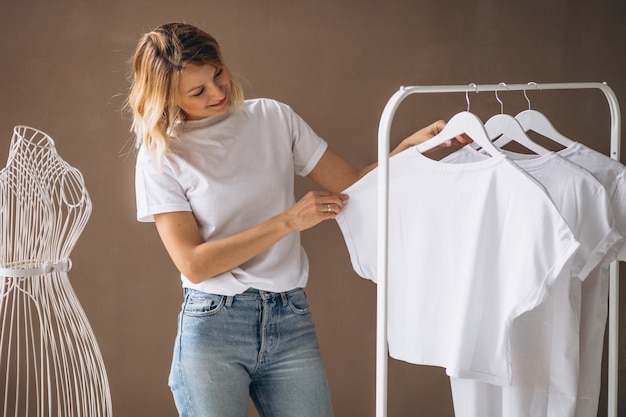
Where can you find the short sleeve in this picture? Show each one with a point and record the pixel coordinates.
(157, 191)
(358, 224)
(600, 240)
(308, 147)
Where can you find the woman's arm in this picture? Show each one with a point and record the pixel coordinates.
(336, 174)
(199, 260)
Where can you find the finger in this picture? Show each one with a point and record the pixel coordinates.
(463, 139)
(337, 203)
(331, 209)
(438, 126)
(328, 208)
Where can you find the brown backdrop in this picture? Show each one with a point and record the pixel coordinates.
(64, 71)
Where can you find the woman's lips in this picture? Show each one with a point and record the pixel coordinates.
(222, 101)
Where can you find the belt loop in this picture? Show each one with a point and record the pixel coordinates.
(285, 299)
(229, 300)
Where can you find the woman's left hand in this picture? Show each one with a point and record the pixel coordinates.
(431, 131)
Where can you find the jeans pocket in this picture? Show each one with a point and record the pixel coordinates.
(297, 302)
(200, 304)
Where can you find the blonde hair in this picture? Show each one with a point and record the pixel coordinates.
(160, 56)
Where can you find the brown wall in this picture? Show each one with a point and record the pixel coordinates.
(63, 70)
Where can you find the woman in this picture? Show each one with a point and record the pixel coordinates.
(215, 173)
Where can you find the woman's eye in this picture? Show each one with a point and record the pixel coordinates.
(199, 93)
(218, 72)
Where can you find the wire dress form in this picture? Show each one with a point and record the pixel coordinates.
(50, 362)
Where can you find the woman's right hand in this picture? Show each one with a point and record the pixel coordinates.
(314, 208)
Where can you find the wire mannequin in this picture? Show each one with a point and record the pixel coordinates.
(50, 363)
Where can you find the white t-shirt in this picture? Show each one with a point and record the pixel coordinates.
(549, 333)
(595, 289)
(234, 172)
(594, 310)
(471, 247)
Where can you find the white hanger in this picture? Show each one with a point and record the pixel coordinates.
(539, 123)
(460, 123)
(463, 122)
(509, 129)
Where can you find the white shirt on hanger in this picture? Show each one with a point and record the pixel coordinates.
(545, 340)
(595, 289)
(594, 311)
(471, 247)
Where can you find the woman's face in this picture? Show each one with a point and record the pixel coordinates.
(203, 91)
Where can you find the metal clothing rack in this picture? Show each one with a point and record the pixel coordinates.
(383, 204)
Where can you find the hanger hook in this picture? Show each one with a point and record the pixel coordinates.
(526, 96)
(498, 98)
(467, 100)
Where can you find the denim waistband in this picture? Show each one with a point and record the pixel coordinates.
(253, 294)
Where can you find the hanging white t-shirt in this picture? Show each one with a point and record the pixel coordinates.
(545, 340)
(471, 247)
(594, 310)
(234, 172)
(595, 289)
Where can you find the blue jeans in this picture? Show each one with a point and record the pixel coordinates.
(256, 344)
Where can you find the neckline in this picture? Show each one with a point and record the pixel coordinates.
(486, 163)
(574, 147)
(206, 122)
